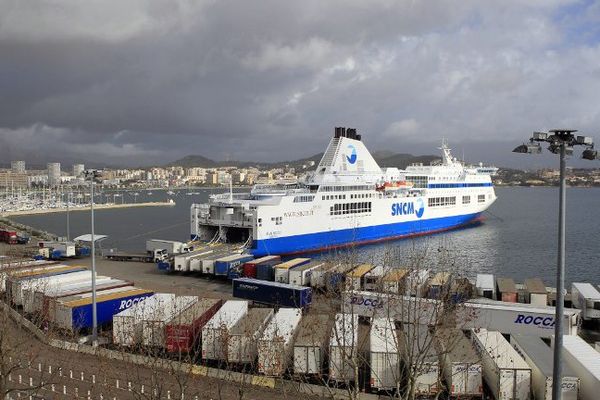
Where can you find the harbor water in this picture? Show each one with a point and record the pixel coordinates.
(518, 237)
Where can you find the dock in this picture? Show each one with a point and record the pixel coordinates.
(86, 208)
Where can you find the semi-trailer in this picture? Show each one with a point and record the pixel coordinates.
(154, 324)
(225, 264)
(215, 332)
(29, 287)
(416, 282)
(538, 355)
(275, 347)
(507, 290)
(16, 285)
(584, 361)
(486, 286)
(182, 262)
(301, 275)
(334, 277)
(506, 373)
(184, 331)
(272, 293)
(77, 315)
(536, 292)
(384, 355)
(419, 355)
(343, 348)
(127, 323)
(310, 346)
(373, 279)
(207, 264)
(461, 365)
(394, 281)
(23, 273)
(282, 271)
(172, 247)
(355, 278)
(243, 337)
(250, 268)
(439, 285)
(586, 298)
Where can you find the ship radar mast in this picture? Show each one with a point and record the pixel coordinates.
(447, 158)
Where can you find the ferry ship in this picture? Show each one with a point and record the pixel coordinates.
(348, 200)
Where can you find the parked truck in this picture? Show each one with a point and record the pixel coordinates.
(250, 268)
(538, 355)
(343, 348)
(586, 298)
(507, 375)
(215, 332)
(310, 346)
(461, 365)
(486, 286)
(243, 337)
(272, 293)
(172, 247)
(384, 355)
(275, 347)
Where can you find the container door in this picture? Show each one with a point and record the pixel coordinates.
(473, 383)
(300, 360)
(506, 388)
(570, 388)
(313, 360)
(522, 384)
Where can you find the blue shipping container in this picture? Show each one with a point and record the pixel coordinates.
(265, 272)
(272, 293)
(223, 265)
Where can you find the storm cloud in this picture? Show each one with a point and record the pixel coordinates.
(146, 82)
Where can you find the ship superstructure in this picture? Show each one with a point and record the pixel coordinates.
(349, 199)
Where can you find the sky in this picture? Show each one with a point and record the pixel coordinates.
(145, 82)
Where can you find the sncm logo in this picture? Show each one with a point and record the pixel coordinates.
(542, 322)
(361, 301)
(130, 302)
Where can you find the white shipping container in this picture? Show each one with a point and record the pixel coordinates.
(416, 282)
(154, 324)
(385, 356)
(275, 347)
(418, 346)
(317, 279)
(182, 262)
(127, 325)
(310, 346)
(301, 275)
(243, 337)
(17, 272)
(343, 348)
(29, 286)
(539, 357)
(215, 332)
(507, 375)
(461, 366)
(33, 297)
(585, 362)
(486, 286)
(586, 298)
(373, 278)
(208, 263)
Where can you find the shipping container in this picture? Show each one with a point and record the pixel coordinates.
(19, 285)
(538, 355)
(394, 281)
(507, 291)
(282, 271)
(275, 347)
(384, 354)
(507, 375)
(439, 285)
(33, 295)
(373, 279)
(310, 346)
(250, 268)
(417, 347)
(486, 286)
(355, 279)
(301, 275)
(343, 348)
(244, 335)
(127, 324)
(318, 276)
(586, 298)
(76, 315)
(461, 290)
(272, 293)
(208, 262)
(224, 264)
(335, 277)
(28, 273)
(461, 365)
(416, 282)
(216, 330)
(28, 288)
(182, 262)
(184, 331)
(515, 318)
(536, 292)
(154, 325)
(584, 361)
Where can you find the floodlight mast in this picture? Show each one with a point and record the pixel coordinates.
(561, 142)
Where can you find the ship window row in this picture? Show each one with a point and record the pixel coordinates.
(481, 198)
(303, 199)
(351, 188)
(466, 199)
(442, 201)
(418, 181)
(334, 197)
(361, 195)
(457, 185)
(277, 220)
(350, 208)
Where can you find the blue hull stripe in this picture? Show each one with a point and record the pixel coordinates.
(361, 235)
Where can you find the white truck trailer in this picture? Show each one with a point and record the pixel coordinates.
(182, 262)
(461, 365)
(418, 352)
(373, 278)
(485, 285)
(506, 373)
(154, 324)
(275, 347)
(171, 246)
(301, 275)
(216, 331)
(243, 336)
(585, 362)
(538, 355)
(586, 298)
(385, 355)
(207, 263)
(27, 288)
(343, 348)
(127, 325)
(415, 283)
(310, 346)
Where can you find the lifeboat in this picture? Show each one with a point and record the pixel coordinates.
(395, 185)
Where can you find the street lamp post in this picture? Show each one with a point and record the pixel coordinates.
(92, 175)
(561, 142)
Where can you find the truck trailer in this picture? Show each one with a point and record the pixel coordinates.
(586, 298)
(272, 293)
(384, 355)
(275, 347)
(184, 331)
(215, 332)
(310, 346)
(243, 337)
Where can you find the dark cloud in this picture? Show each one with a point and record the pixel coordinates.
(145, 82)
